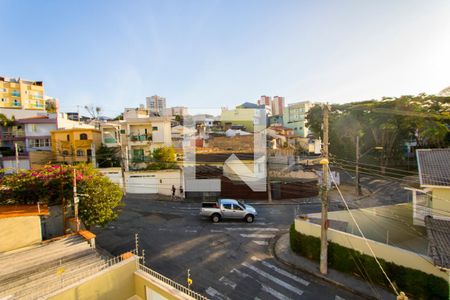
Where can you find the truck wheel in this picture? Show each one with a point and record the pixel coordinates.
(215, 218)
(249, 218)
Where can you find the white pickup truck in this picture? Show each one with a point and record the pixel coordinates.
(228, 209)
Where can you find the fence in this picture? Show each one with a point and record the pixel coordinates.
(172, 283)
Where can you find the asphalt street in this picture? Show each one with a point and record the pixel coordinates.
(227, 260)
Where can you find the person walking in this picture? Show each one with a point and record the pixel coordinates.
(181, 192)
(173, 191)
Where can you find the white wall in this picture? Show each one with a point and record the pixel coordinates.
(41, 129)
(10, 165)
(388, 253)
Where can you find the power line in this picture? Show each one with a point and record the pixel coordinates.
(363, 236)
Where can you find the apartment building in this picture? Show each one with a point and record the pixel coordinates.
(156, 105)
(176, 111)
(277, 106)
(137, 135)
(294, 116)
(18, 93)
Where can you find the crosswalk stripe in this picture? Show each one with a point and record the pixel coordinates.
(251, 229)
(258, 236)
(214, 293)
(261, 243)
(281, 271)
(274, 279)
(228, 282)
(265, 288)
(239, 273)
(214, 230)
(274, 293)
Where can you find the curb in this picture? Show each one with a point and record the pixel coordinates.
(272, 251)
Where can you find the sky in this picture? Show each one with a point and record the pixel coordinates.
(210, 54)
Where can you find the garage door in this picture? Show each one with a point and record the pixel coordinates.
(142, 184)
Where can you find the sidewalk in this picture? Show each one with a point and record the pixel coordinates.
(281, 250)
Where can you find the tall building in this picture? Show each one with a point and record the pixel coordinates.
(156, 104)
(277, 106)
(17, 93)
(176, 111)
(265, 100)
(294, 117)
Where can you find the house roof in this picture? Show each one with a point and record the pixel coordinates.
(11, 211)
(434, 167)
(438, 232)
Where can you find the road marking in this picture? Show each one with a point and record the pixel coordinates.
(228, 282)
(261, 243)
(214, 230)
(258, 236)
(274, 293)
(281, 271)
(274, 279)
(191, 230)
(264, 287)
(338, 298)
(214, 293)
(239, 273)
(251, 229)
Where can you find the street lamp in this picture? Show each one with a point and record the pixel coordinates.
(358, 157)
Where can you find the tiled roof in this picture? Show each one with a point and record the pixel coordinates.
(434, 167)
(438, 232)
(11, 211)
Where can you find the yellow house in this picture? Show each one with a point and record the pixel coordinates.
(76, 144)
(17, 93)
(434, 175)
(242, 117)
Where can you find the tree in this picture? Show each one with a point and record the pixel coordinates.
(108, 157)
(163, 158)
(5, 121)
(53, 185)
(164, 154)
(388, 123)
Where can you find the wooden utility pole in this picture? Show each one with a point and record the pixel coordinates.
(324, 196)
(357, 187)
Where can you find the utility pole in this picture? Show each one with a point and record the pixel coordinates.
(75, 199)
(357, 186)
(324, 196)
(17, 157)
(269, 188)
(94, 161)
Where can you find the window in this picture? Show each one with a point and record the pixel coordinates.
(36, 143)
(80, 152)
(65, 153)
(227, 206)
(89, 152)
(3, 99)
(237, 207)
(155, 128)
(83, 136)
(16, 102)
(33, 127)
(68, 137)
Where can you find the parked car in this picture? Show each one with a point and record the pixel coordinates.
(228, 209)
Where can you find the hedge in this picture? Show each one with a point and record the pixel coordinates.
(413, 282)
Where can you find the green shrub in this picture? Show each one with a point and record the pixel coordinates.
(413, 282)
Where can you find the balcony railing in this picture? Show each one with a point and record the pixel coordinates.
(140, 138)
(140, 159)
(9, 135)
